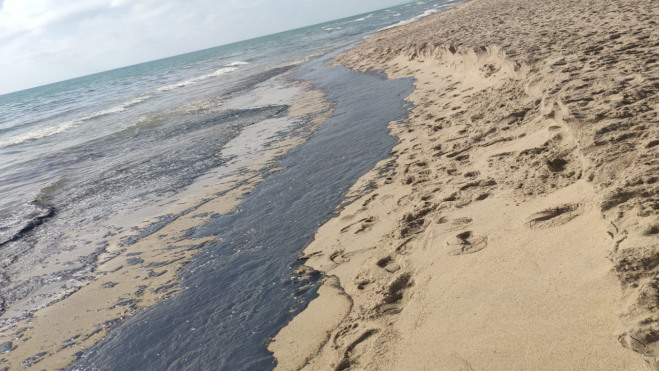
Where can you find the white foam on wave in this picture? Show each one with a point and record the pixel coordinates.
(363, 19)
(425, 14)
(298, 62)
(195, 80)
(56, 129)
(61, 127)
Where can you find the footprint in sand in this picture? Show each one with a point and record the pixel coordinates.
(369, 200)
(352, 352)
(339, 258)
(554, 216)
(396, 295)
(361, 226)
(340, 338)
(388, 264)
(450, 225)
(414, 222)
(466, 243)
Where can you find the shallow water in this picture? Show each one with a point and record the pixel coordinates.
(82, 157)
(240, 291)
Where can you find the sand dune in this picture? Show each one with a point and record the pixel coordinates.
(515, 225)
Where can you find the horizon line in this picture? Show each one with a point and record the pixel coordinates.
(199, 50)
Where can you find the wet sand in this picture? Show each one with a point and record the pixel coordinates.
(515, 225)
(132, 277)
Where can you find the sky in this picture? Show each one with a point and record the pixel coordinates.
(45, 41)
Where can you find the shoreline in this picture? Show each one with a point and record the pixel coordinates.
(244, 280)
(514, 225)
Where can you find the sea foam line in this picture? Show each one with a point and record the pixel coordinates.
(64, 126)
(363, 19)
(195, 80)
(427, 13)
(56, 129)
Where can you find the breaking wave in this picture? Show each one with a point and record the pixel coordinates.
(58, 128)
(221, 71)
(425, 14)
(64, 126)
(363, 19)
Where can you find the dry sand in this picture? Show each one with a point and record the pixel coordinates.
(515, 225)
(130, 278)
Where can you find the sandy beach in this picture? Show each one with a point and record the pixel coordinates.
(515, 224)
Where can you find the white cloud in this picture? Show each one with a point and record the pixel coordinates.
(43, 41)
(33, 16)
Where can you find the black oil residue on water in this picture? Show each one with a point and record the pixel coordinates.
(239, 291)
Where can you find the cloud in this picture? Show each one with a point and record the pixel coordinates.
(34, 16)
(44, 41)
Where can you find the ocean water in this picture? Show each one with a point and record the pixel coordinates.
(80, 157)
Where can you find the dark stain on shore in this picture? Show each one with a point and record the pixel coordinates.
(42, 213)
(239, 291)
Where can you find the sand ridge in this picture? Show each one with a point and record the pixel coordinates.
(514, 226)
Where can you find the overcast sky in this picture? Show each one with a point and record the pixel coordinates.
(44, 41)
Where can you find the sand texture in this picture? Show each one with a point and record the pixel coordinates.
(130, 278)
(515, 225)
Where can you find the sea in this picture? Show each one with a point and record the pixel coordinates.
(82, 158)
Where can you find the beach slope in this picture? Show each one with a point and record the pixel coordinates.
(515, 225)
